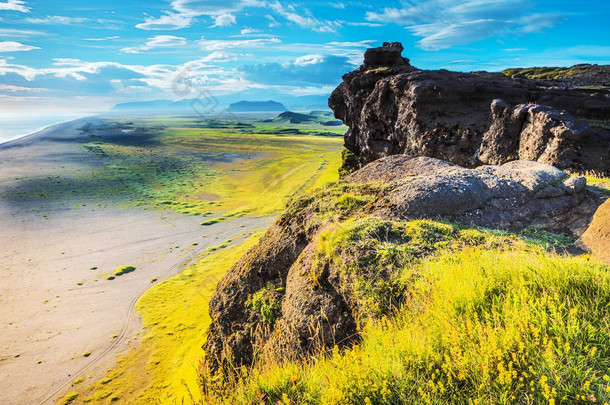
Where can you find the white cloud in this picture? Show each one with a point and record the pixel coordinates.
(102, 39)
(359, 44)
(15, 33)
(249, 31)
(186, 10)
(167, 21)
(11, 46)
(538, 22)
(224, 20)
(219, 56)
(443, 23)
(65, 20)
(437, 37)
(158, 41)
(309, 60)
(15, 89)
(14, 5)
(272, 21)
(220, 44)
(212, 7)
(306, 21)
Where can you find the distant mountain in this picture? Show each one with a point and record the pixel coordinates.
(211, 104)
(256, 106)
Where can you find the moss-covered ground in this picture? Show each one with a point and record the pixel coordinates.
(549, 72)
(485, 318)
(193, 166)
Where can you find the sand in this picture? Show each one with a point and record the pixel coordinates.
(54, 307)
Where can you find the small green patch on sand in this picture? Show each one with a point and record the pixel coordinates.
(124, 270)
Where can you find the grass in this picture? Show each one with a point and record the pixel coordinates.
(548, 72)
(189, 166)
(596, 180)
(69, 398)
(124, 270)
(481, 325)
(163, 367)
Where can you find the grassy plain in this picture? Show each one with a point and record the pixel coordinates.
(212, 167)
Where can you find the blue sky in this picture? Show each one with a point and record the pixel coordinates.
(85, 56)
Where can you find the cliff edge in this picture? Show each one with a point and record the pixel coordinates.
(471, 119)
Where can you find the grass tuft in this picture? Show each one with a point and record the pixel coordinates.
(124, 270)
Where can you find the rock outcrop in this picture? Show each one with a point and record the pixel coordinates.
(296, 292)
(596, 238)
(516, 195)
(469, 119)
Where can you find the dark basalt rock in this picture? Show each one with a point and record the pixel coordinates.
(469, 119)
(390, 55)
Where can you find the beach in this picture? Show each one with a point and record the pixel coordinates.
(62, 317)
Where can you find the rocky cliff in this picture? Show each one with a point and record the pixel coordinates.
(472, 119)
(333, 260)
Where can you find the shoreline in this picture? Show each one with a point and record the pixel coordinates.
(40, 133)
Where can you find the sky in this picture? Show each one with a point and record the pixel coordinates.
(87, 56)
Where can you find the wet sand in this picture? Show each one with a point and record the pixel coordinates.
(54, 307)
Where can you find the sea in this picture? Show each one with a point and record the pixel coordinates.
(13, 127)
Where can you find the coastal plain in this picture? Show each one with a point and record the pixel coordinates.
(80, 199)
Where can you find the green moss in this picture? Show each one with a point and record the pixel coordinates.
(266, 303)
(349, 202)
(548, 72)
(488, 318)
(212, 221)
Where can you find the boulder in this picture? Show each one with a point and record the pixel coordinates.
(512, 196)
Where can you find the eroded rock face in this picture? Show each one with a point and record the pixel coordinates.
(596, 238)
(469, 119)
(314, 303)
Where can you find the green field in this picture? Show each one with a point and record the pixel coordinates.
(195, 166)
(208, 167)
